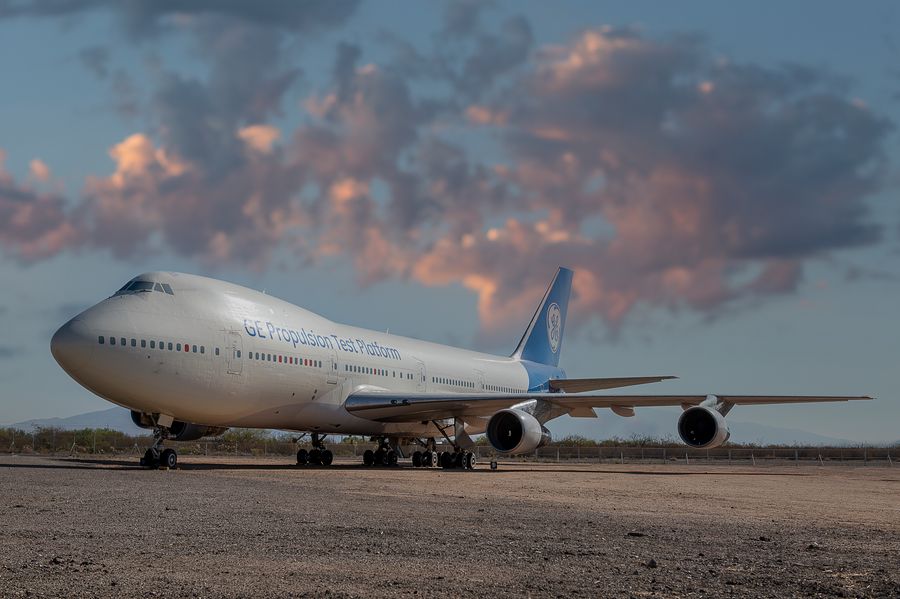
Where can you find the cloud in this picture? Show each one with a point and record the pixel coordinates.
(33, 225)
(39, 170)
(668, 178)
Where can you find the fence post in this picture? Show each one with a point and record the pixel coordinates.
(729, 457)
(557, 454)
(865, 456)
(687, 460)
(890, 461)
(752, 457)
(621, 456)
(664, 455)
(796, 459)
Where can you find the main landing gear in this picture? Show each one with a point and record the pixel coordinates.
(448, 460)
(317, 456)
(156, 456)
(385, 455)
(430, 457)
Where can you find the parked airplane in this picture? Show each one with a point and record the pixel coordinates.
(191, 356)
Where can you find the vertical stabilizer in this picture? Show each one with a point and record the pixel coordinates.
(542, 341)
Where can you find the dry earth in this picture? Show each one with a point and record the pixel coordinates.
(252, 527)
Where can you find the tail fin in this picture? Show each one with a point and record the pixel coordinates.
(542, 341)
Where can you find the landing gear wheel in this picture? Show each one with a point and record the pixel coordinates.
(380, 458)
(470, 461)
(302, 457)
(168, 459)
(368, 457)
(426, 459)
(447, 460)
(417, 459)
(327, 457)
(150, 459)
(459, 460)
(432, 460)
(315, 457)
(391, 458)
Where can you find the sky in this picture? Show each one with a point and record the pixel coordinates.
(722, 177)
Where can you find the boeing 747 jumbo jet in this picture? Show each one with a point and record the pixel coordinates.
(192, 356)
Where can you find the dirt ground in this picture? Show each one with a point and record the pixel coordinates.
(241, 527)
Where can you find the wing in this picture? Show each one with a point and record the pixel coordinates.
(389, 406)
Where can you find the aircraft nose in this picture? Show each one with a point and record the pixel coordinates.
(69, 345)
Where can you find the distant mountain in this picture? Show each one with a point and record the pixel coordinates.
(658, 423)
(117, 419)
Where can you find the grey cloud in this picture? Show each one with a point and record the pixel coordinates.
(147, 18)
(96, 59)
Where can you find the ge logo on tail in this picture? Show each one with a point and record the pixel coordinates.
(554, 320)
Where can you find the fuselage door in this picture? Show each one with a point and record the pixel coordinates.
(420, 375)
(331, 368)
(233, 352)
(479, 381)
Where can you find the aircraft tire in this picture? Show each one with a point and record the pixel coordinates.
(379, 458)
(391, 458)
(302, 457)
(168, 459)
(315, 456)
(150, 459)
(470, 461)
(368, 457)
(327, 457)
(417, 459)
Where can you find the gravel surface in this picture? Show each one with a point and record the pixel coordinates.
(239, 527)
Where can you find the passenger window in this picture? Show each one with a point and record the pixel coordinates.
(170, 346)
(194, 348)
(100, 340)
(217, 351)
(143, 343)
(152, 344)
(122, 341)
(178, 347)
(202, 349)
(112, 340)
(238, 353)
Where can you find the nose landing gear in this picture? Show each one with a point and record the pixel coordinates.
(156, 456)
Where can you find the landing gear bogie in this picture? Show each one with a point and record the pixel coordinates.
(317, 456)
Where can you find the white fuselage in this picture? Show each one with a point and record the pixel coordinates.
(247, 359)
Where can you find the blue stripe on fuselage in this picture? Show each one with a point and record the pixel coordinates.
(540, 374)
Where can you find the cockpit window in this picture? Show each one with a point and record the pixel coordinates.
(134, 286)
(141, 286)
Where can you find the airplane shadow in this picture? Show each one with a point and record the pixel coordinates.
(482, 469)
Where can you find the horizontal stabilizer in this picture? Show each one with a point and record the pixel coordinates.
(582, 385)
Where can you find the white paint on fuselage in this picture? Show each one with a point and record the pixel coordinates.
(233, 387)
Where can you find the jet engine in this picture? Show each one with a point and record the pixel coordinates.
(703, 427)
(179, 431)
(513, 431)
